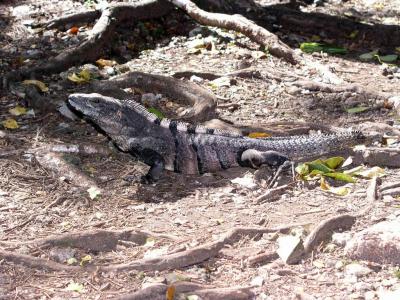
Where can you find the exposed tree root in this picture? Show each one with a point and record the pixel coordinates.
(35, 262)
(99, 36)
(170, 261)
(325, 228)
(158, 292)
(92, 240)
(56, 164)
(240, 24)
(203, 102)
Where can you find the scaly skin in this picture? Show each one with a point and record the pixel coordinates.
(189, 149)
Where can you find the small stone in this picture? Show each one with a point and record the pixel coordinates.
(290, 249)
(195, 78)
(357, 270)
(339, 265)
(370, 295)
(389, 295)
(389, 282)
(62, 254)
(362, 286)
(257, 281)
(341, 238)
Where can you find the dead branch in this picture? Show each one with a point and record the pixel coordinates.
(244, 73)
(331, 88)
(203, 102)
(240, 24)
(262, 258)
(100, 35)
(390, 186)
(73, 19)
(325, 228)
(158, 291)
(273, 194)
(56, 164)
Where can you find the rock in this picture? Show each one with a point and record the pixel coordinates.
(290, 249)
(196, 79)
(370, 295)
(389, 295)
(357, 270)
(257, 281)
(341, 238)
(380, 243)
(62, 254)
(362, 286)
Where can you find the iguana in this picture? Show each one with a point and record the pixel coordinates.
(190, 149)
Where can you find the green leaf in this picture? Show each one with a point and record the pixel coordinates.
(319, 165)
(368, 56)
(357, 109)
(341, 176)
(318, 47)
(334, 162)
(389, 58)
(302, 169)
(155, 111)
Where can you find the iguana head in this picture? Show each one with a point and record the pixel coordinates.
(104, 112)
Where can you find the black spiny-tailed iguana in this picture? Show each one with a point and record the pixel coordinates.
(181, 147)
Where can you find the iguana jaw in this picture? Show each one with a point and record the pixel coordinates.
(104, 112)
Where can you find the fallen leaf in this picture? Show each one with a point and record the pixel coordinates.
(372, 172)
(341, 191)
(42, 86)
(105, 63)
(94, 192)
(388, 58)
(357, 109)
(17, 111)
(10, 124)
(75, 287)
(72, 261)
(368, 56)
(155, 111)
(341, 176)
(82, 77)
(170, 295)
(257, 135)
(334, 162)
(73, 30)
(85, 260)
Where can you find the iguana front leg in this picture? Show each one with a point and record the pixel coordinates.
(255, 159)
(155, 172)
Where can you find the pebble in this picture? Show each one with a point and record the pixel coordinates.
(357, 270)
